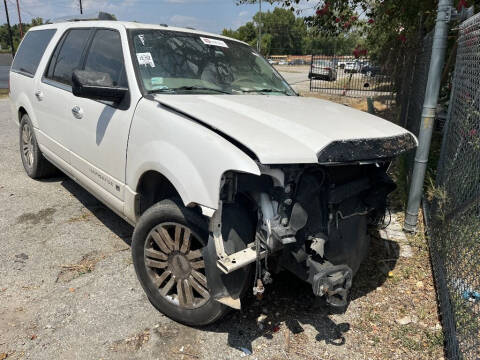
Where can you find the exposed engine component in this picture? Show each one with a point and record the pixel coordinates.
(311, 220)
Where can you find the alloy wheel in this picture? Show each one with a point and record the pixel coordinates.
(27, 145)
(174, 262)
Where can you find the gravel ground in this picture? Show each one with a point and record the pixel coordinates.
(68, 290)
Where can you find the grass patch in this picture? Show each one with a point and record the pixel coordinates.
(3, 93)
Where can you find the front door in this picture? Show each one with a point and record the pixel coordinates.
(98, 133)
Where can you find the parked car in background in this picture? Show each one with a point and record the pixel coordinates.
(194, 139)
(371, 70)
(341, 64)
(352, 67)
(323, 70)
(283, 62)
(272, 62)
(297, 62)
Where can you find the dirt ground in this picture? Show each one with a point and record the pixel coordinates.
(68, 290)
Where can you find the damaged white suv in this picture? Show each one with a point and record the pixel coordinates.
(197, 141)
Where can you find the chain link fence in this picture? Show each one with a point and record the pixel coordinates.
(452, 209)
(350, 76)
(418, 86)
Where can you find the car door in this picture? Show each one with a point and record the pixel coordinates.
(99, 130)
(53, 92)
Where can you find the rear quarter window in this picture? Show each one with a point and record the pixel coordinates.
(31, 51)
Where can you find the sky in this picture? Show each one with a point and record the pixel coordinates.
(207, 15)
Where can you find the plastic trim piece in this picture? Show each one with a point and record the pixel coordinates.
(366, 149)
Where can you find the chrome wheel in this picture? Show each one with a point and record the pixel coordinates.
(27, 145)
(174, 262)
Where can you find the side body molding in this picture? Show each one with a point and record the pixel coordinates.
(190, 155)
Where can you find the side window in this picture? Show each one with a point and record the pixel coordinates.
(105, 55)
(31, 51)
(67, 56)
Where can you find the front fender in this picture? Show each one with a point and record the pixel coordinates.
(192, 157)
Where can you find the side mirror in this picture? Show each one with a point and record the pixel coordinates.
(96, 86)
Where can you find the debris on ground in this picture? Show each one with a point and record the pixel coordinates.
(404, 321)
(85, 265)
(132, 343)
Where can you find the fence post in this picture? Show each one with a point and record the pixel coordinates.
(428, 114)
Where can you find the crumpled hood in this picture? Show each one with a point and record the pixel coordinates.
(291, 129)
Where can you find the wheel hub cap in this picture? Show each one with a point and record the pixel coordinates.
(180, 266)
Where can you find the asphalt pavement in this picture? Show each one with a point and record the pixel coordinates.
(4, 76)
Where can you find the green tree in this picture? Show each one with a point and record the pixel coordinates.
(283, 33)
(4, 36)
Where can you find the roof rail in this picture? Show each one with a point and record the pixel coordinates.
(85, 17)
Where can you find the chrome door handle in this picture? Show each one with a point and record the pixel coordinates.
(39, 95)
(77, 112)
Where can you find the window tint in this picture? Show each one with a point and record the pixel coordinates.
(69, 56)
(105, 55)
(31, 51)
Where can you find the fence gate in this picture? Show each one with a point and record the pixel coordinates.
(349, 76)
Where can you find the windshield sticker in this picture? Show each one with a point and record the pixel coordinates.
(214, 42)
(156, 81)
(142, 39)
(145, 59)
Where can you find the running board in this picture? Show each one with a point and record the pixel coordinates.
(239, 259)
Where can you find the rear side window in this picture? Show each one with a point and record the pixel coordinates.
(68, 55)
(105, 55)
(31, 51)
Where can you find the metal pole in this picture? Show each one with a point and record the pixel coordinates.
(9, 28)
(19, 19)
(428, 114)
(81, 8)
(259, 43)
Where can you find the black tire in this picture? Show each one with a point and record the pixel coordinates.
(164, 214)
(34, 163)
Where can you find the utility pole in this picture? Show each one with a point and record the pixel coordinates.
(81, 8)
(428, 114)
(259, 42)
(19, 19)
(9, 28)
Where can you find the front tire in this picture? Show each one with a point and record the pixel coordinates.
(34, 163)
(167, 254)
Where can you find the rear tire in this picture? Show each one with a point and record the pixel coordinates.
(34, 163)
(176, 283)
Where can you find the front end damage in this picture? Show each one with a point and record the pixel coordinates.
(309, 219)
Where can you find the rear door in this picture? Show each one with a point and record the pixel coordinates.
(53, 93)
(98, 133)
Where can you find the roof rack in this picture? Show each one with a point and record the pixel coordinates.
(85, 17)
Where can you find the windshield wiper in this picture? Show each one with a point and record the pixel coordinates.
(267, 90)
(189, 88)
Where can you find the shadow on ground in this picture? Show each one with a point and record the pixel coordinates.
(287, 301)
(112, 221)
(291, 301)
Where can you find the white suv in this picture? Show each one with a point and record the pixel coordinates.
(227, 174)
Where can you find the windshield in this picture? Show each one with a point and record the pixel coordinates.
(179, 63)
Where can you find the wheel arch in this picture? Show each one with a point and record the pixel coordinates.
(152, 187)
(23, 106)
